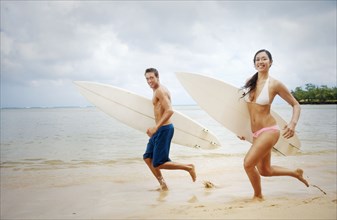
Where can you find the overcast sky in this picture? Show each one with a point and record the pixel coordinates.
(46, 45)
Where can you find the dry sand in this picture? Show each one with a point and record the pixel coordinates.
(128, 191)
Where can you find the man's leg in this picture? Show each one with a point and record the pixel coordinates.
(157, 173)
(179, 166)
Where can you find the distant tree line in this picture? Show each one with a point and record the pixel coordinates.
(313, 94)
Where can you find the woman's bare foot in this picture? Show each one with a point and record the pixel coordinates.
(192, 172)
(258, 199)
(300, 177)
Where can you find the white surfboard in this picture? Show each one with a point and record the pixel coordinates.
(137, 112)
(223, 102)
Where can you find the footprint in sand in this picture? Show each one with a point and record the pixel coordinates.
(208, 184)
(193, 199)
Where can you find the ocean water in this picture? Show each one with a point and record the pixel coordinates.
(87, 135)
(79, 163)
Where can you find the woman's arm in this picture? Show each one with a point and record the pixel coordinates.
(283, 92)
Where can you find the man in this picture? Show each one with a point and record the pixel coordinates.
(157, 152)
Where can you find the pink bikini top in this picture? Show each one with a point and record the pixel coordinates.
(263, 98)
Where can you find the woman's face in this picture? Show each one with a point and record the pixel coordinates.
(262, 62)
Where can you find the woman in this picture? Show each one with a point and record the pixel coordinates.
(260, 91)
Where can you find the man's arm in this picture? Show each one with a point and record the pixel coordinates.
(165, 103)
(166, 106)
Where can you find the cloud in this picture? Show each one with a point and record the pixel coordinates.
(46, 45)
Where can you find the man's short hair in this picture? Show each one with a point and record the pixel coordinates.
(152, 70)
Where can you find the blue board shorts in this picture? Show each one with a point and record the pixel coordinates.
(158, 148)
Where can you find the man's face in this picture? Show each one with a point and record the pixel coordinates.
(152, 80)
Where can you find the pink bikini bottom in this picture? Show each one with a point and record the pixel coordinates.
(271, 128)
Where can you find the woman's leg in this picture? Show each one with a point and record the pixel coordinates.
(261, 148)
(265, 169)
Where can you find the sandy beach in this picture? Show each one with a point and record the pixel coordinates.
(126, 190)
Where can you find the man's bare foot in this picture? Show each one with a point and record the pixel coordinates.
(162, 183)
(300, 177)
(164, 187)
(192, 172)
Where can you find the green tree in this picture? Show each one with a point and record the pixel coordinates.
(315, 94)
(311, 90)
(299, 94)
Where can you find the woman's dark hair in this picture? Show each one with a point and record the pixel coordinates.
(251, 83)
